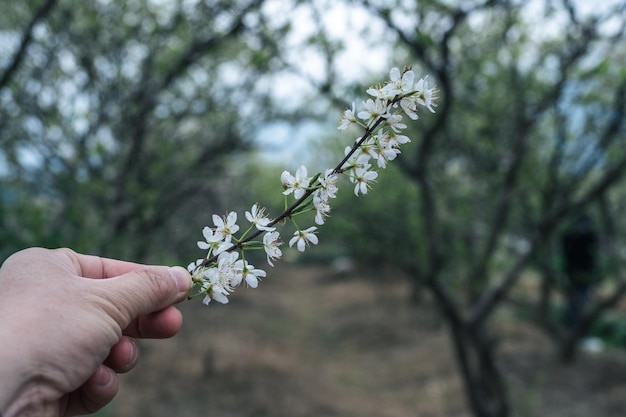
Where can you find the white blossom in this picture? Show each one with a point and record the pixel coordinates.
(409, 105)
(328, 181)
(386, 92)
(424, 94)
(368, 148)
(226, 267)
(348, 118)
(373, 109)
(226, 226)
(302, 238)
(395, 122)
(386, 148)
(257, 216)
(248, 273)
(214, 241)
(295, 184)
(196, 270)
(216, 289)
(271, 246)
(357, 160)
(362, 179)
(222, 247)
(401, 82)
(397, 140)
(322, 208)
(385, 155)
(210, 237)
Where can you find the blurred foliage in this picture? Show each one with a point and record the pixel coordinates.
(378, 229)
(118, 118)
(528, 129)
(611, 329)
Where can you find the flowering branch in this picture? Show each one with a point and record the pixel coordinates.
(217, 274)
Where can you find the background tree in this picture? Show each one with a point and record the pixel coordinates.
(529, 132)
(116, 117)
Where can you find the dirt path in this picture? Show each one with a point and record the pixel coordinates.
(308, 344)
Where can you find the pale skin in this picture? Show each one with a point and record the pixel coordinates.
(68, 324)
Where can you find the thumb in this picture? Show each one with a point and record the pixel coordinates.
(146, 290)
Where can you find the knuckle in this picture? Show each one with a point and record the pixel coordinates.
(160, 285)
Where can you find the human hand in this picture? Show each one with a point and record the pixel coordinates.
(68, 323)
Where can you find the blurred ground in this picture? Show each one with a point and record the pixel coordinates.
(307, 343)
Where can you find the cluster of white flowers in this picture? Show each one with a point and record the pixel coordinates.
(225, 267)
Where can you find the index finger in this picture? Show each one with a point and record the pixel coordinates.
(158, 325)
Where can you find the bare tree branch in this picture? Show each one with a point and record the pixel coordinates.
(27, 36)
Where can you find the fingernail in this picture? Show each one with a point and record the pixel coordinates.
(181, 277)
(134, 354)
(103, 376)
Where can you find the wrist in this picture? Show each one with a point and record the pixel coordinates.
(25, 401)
(20, 394)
